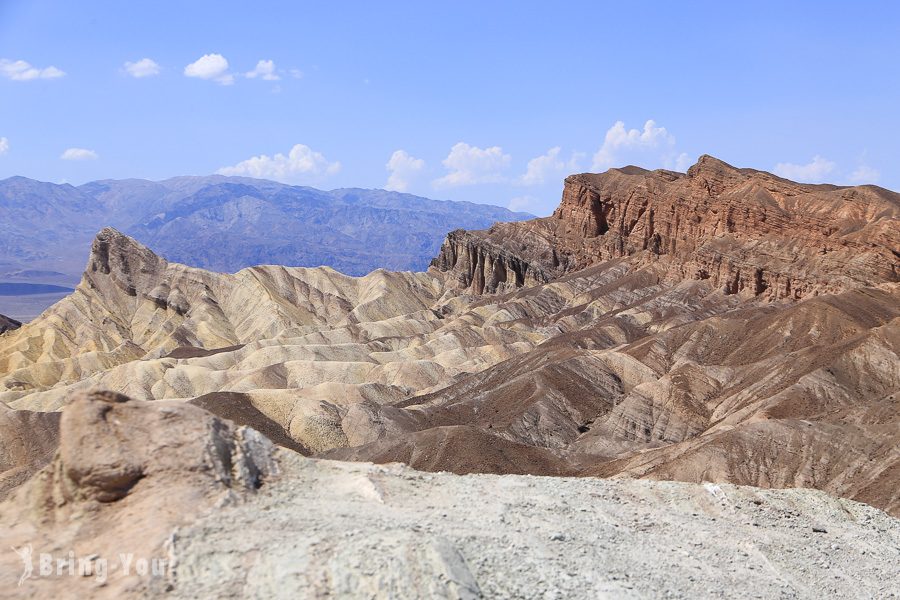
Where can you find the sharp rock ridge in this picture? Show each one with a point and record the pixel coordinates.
(747, 232)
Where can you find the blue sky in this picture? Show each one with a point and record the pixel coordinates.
(485, 101)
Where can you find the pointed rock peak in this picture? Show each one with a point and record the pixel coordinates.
(111, 233)
(113, 249)
(710, 164)
(716, 175)
(113, 237)
(631, 170)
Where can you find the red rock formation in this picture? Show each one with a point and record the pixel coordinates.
(746, 231)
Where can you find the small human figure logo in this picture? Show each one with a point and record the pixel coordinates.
(25, 553)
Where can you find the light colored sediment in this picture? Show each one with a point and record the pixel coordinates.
(332, 529)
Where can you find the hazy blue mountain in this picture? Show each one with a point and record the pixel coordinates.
(40, 221)
(225, 224)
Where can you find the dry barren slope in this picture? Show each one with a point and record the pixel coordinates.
(797, 396)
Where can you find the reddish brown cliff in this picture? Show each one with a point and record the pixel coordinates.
(485, 264)
(747, 231)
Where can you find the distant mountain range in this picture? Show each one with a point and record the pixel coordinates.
(226, 224)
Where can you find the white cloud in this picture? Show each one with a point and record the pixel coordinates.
(300, 165)
(19, 70)
(404, 168)
(4, 146)
(296, 73)
(265, 70)
(145, 67)
(212, 67)
(79, 154)
(813, 172)
(549, 165)
(630, 142)
(864, 174)
(680, 163)
(523, 203)
(469, 165)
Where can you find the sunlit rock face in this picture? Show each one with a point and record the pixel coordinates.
(747, 232)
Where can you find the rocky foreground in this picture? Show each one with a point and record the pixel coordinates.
(221, 512)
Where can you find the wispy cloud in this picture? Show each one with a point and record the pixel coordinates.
(679, 163)
(4, 146)
(523, 203)
(550, 166)
(19, 70)
(146, 67)
(620, 142)
(814, 171)
(212, 67)
(864, 174)
(265, 70)
(79, 154)
(404, 169)
(469, 165)
(300, 165)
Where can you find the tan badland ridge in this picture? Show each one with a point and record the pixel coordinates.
(720, 326)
